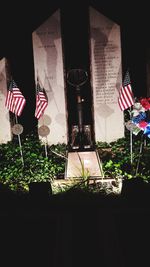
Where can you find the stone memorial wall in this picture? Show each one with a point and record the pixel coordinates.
(5, 131)
(48, 65)
(106, 73)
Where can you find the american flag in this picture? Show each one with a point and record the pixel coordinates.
(15, 101)
(41, 101)
(126, 98)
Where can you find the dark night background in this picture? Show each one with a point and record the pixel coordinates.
(19, 20)
(83, 230)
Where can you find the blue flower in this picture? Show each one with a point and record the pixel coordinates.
(140, 117)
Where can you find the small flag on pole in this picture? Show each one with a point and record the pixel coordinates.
(125, 98)
(41, 100)
(15, 101)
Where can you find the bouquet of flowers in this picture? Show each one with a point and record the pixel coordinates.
(140, 119)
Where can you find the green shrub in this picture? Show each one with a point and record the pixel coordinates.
(117, 161)
(18, 172)
(37, 166)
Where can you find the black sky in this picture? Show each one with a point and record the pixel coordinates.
(19, 20)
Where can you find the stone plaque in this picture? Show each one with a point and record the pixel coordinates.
(106, 77)
(5, 131)
(48, 65)
(83, 163)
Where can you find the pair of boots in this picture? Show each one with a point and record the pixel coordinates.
(81, 139)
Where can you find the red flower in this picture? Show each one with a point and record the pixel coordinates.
(142, 124)
(145, 102)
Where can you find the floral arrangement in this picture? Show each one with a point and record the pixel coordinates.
(140, 117)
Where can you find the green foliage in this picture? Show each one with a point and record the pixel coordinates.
(36, 168)
(116, 157)
(41, 167)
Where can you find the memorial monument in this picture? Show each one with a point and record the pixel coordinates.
(48, 66)
(106, 76)
(105, 82)
(5, 132)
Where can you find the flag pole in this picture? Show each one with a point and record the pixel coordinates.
(131, 141)
(45, 147)
(19, 140)
(42, 97)
(140, 153)
(15, 102)
(131, 147)
(45, 143)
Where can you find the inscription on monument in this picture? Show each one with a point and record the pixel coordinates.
(105, 71)
(106, 76)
